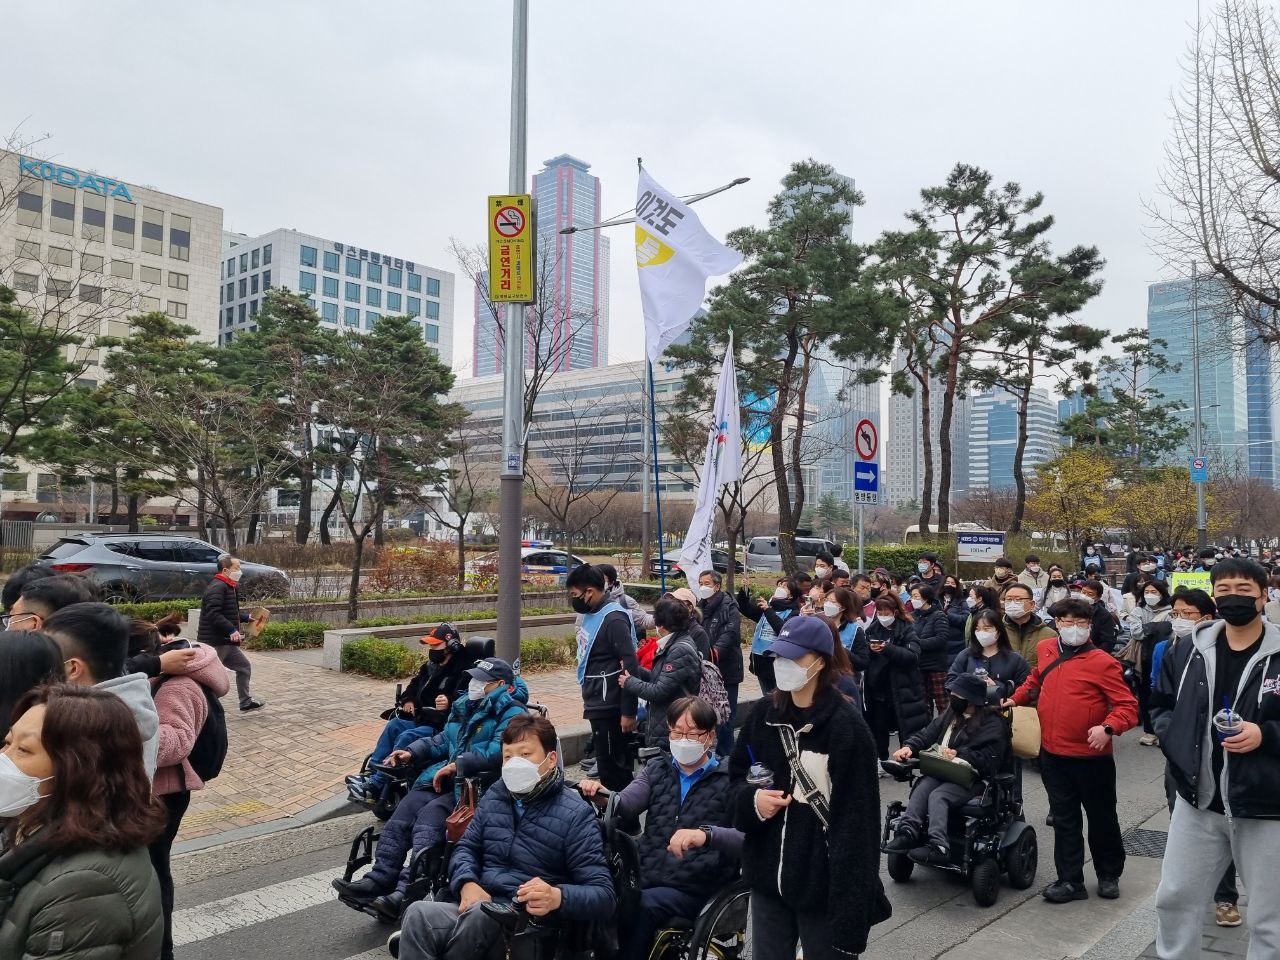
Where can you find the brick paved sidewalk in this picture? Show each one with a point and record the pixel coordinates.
(317, 727)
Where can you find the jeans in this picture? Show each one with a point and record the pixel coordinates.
(725, 734)
(762, 667)
(1200, 846)
(233, 659)
(396, 735)
(1089, 784)
(417, 824)
(658, 907)
(934, 800)
(775, 929)
(176, 804)
(613, 764)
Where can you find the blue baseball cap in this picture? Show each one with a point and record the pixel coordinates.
(801, 635)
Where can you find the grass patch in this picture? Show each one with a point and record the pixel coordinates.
(538, 654)
(289, 635)
(379, 658)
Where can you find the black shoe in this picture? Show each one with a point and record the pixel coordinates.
(1050, 821)
(903, 842)
(1108, 889)
(253, 704)
(590, 769)
(393, 945)
(361, 891)
(931, 856)
(1065, 892)
(388, 907)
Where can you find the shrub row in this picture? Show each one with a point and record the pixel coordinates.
(379, 658)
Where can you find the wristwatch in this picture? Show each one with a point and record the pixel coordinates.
(706, 828)
(1107, 729)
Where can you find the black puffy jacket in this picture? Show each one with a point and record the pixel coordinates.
(676, 673)
(1007, 667)
(219, 613)
(900, 660)
(448, 679)
(933, 629)
(983, 741)
(1181, 707)
(723, 623)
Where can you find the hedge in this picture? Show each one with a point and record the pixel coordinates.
(156, 609)
(547, 653)
(379, 658)
(289, 635)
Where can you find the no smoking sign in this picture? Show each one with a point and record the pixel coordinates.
(509, 222)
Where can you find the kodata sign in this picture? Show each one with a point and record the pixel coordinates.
(71, 177)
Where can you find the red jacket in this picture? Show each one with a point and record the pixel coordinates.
(1087, 690)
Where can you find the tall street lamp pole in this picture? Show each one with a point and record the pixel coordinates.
(1202, 530)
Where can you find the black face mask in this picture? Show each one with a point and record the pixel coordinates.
(436, 656)
(875, 592)
(1056, 583)
(959, 704)
(1238, 611)
(579, 604)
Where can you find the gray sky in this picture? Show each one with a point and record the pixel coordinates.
(386, 123)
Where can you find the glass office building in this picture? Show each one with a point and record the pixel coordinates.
(993, 437)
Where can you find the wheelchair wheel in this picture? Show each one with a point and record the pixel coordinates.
(1021, 860)
(986, 882)
(721, 932)
(899, 866)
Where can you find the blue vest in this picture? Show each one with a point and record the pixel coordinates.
(849, 633)
(764, 634)
(587, 632)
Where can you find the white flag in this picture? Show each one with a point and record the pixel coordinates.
(723, 465)
(674, 255)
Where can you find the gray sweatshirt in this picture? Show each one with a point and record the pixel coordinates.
(135, 690)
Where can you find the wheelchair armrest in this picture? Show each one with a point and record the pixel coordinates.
(405, 771)
(646, 754)
(1004, 779)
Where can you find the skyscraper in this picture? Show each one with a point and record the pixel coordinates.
(903, 463)
(576, 266)
(992, 437)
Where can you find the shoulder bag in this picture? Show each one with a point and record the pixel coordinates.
(1026, 722)
(455, 825)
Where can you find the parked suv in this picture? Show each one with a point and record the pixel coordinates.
(762, 553)
(154, 566)
(719, 563)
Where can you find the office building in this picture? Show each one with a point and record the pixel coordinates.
(992, 437)
(1224, 386)
(1262, 370)
(902, 464)
(83, 249)
(349, 286)
(837, 400)
(574, 276)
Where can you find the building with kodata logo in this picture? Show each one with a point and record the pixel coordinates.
(86, 251)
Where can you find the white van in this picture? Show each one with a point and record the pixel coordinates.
(762, 553)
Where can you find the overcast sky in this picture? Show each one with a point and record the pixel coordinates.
(386, 124)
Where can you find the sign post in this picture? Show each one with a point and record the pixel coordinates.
(866, 474)
(979, 547)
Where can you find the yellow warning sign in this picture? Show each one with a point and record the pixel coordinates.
(511, 248)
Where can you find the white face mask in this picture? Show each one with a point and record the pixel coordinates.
(782, 593)
(1077, 595)
(1147, 567)
(917, 604)
(970, 602)
(789, 675)
(1181, 626)
(520, 775)
(886, 619)
(1153, 599)
(688, 752)
(475, 689)
(987, 638)
(821, 571)
(233, 575)
(1073, 636)
(705, 591)
(1015, 609)
(924, 567)
(832, 610)
(18, 791)
(1033, 568)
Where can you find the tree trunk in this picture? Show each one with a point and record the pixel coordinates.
(202, 504)
(229, 524)
(357, 559)
(306, 488)
(462, 554)
(115, 498)
(944, 437)
(132, 515)
(328, 512)
(1019, 478)
(926, 448)
(254, 519)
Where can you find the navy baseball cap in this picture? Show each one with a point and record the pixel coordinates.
(492, 668)
(801, 635)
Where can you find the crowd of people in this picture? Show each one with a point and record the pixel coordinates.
(109, 725)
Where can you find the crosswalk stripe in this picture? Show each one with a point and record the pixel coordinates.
(377, 953)
(265, 903)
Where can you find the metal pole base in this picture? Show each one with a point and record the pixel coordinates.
(510, 508)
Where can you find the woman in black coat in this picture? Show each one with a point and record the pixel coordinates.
(951, 599)
(893, 688)
(676, 670)
(991, 651)
(811, 852)
(933, 629)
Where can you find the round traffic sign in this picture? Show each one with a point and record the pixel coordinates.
(509, 221)
(1198, 463)
(866, 441)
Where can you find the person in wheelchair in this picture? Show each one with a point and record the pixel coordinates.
(971, 730)
(533, 842)
(423, 708)
(681, 866)
(469, 745)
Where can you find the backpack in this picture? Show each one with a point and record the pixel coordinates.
(210, 749)
(711, 689)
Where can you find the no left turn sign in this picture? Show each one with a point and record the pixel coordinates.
(866, 440)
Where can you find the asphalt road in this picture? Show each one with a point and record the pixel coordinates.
(270, 897)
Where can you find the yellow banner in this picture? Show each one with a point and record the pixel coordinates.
(511, 248)
(1191, 581)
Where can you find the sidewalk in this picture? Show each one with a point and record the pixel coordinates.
(317, 727)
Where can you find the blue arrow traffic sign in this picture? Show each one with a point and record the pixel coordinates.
(866, 477)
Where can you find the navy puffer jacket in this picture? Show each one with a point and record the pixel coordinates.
(555, 837)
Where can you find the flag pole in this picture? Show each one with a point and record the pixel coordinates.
(657, 490)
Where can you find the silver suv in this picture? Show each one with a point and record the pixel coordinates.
(154, 566)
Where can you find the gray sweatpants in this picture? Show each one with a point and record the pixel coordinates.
(1200, 846)
(436, 931)
(233, 659)
(934, 800)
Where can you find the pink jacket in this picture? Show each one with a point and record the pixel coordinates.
(183, 709)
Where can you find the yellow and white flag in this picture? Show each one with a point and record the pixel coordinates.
(674, 255)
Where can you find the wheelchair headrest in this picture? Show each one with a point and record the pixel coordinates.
(477, 648)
